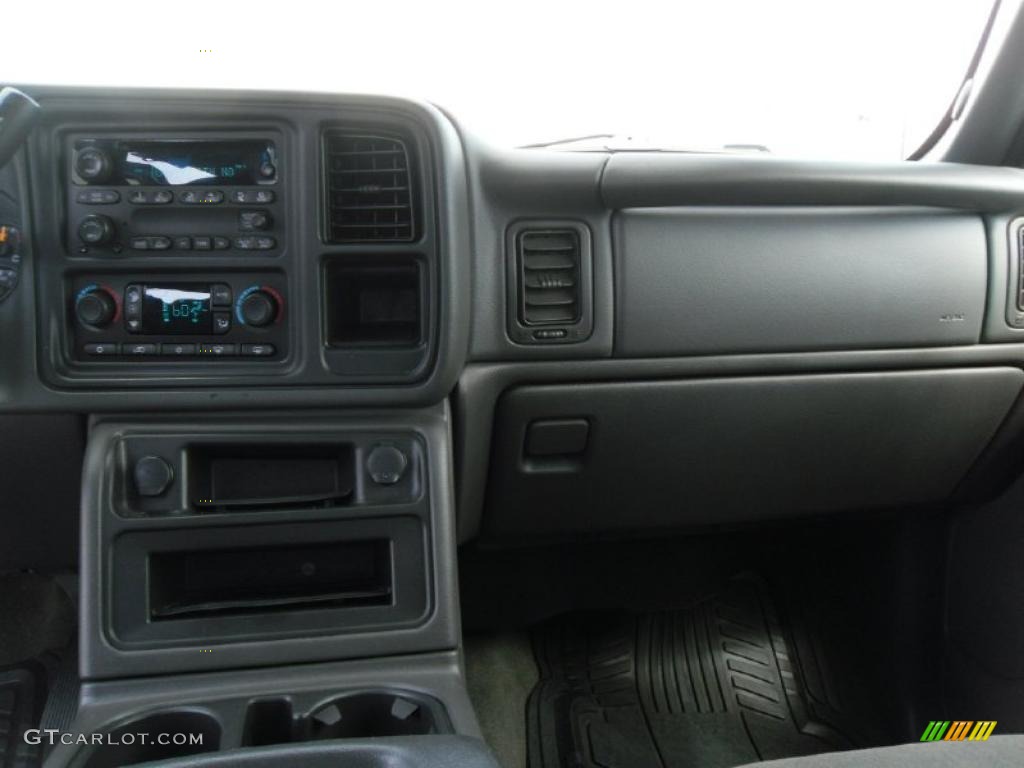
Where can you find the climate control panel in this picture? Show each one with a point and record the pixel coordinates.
(155, 317)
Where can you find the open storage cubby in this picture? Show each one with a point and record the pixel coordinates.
(266, 579)
(245, 582)
(242, 477)
(374, 301)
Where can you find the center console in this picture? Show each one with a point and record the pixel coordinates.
(262, 302)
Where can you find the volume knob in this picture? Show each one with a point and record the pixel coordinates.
(96, 229)
(259, 309)
(93, 165)
(95, 308)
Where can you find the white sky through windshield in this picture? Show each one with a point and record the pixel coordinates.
(832, 78)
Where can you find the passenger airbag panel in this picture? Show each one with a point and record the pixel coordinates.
(719, 281)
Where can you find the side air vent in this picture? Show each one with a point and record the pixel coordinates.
(551, 277)
(369, 189)
(549, 263)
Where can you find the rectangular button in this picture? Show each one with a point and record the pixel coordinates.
(177, 350)
(183, 243)
(220, 293)
(101, 349)
(202, 243)
(221, 322)
(139, 349)
(216, 350)
(258, 350)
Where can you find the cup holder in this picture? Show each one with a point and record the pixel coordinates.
(138, 741)
(361, 715)
(369, 715)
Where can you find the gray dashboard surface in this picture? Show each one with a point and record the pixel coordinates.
(652, 179)
(721, 280)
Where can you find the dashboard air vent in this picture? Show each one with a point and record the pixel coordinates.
(369, 189)
(549, 276)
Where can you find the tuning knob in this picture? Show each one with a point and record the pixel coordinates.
(259, 308)
(93, 165)
(95, 308)
(96, 229)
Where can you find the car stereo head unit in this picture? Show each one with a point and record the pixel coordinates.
(174, 163)
(173, 196)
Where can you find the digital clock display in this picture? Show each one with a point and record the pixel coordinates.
(185, 163)
(176, 308)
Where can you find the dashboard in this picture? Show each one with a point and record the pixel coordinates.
(171, 251)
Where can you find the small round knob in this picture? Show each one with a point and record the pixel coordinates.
(386, 464)
(96, 229)
(153, 475)
(95, 308)
(259, 309)
(93, 165)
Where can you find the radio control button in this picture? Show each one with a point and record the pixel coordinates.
(221, 322)
(265, 243)
(221, 243)
(258, 350)
(140, 349)
(183, 243)
(177, 350)
(201, 197)
(159, 243)
(201, 243)
(98, 197)
(133, 324)
(245, 243)
(138, 197)
(253, 221)
(140, 244)
(217, 350)
(220, 295)
(162, 196)
(244, 196)
(101, 349)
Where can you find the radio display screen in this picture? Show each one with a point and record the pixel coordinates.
(176, 308)
(184, 163)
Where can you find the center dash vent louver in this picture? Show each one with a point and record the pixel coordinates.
(551, 275)
(369, 189)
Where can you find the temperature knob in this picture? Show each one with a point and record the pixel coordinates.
(96, 230)
(95, 307)
(258, 308)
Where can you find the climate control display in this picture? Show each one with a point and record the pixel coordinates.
(177, 308)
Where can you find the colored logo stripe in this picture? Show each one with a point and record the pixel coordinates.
(958, 730)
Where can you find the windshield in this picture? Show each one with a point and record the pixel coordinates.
(837, 79)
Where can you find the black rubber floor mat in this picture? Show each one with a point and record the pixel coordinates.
(21, 699)
(712, 686)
